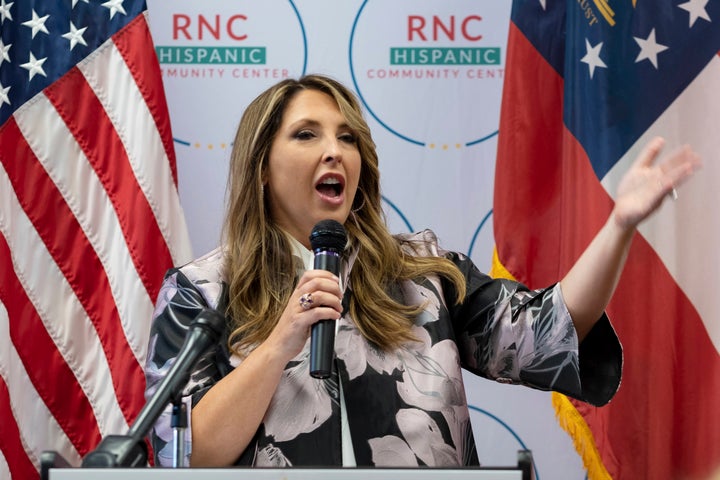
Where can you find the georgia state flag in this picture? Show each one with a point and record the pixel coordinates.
(588, 83)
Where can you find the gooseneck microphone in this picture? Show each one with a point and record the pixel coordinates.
(204, 332)
(130, 450)
(327, 239)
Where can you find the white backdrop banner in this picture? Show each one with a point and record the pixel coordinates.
(430, 77)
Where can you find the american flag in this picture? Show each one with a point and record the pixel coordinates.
(588, 83)
(90, 220)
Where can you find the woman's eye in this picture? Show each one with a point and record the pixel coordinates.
(304, 135)
(348, 137)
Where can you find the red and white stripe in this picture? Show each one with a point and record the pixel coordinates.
(672, 337)
(685, 233)
(90, 220)
(663, 421)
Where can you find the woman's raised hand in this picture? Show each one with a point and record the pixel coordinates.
(644, 187)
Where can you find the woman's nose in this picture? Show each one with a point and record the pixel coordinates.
(333, 152)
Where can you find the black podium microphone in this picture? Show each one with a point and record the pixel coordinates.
(129, 450)
(204, 332)
(328, 241)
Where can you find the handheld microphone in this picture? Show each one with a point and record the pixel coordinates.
(327, 239)
(129, 450)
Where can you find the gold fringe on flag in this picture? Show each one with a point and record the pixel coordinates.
(567, 415)
(497, 269)
(574, 424)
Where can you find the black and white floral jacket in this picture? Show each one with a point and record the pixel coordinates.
(405, 407)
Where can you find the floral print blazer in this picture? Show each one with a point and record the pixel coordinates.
(405, 407)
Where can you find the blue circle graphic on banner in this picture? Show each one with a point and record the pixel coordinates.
(219, 54)
(507, 429)
(431, 78)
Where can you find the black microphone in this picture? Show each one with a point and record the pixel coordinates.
(328, 241)
(130, 450)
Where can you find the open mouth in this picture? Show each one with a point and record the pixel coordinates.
(330, 187)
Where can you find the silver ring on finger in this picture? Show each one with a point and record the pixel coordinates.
(672, 193)
(306, 301)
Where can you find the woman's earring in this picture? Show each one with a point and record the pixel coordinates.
(355, 210)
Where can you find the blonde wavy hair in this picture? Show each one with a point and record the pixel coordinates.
(259, 265)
